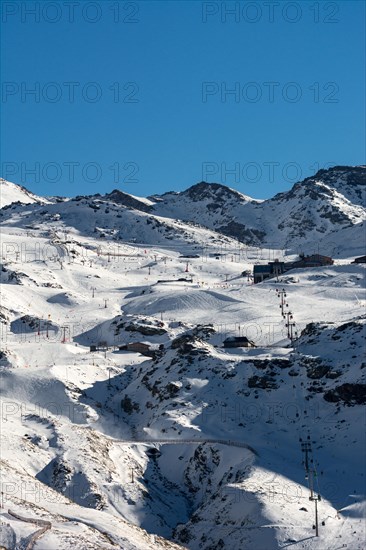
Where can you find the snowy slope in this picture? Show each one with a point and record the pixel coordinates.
(111, 221)
(199, 446)
(350, 181)
(312, 210)
(311, 217)
(10, 192)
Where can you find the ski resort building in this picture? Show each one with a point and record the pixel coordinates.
(360, 260)
(101, 346)
(141, 347)
(145, 348)
(315, 260)
(273, 269)
(238, 342)
(267, 271)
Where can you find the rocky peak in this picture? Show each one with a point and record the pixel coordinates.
(204, 190)
(350, 181)
(120, 197)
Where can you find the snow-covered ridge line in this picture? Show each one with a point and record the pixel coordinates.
(129, 420)
(10, 193)
(313, 214)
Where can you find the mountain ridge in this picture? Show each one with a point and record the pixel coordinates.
(313, 213)
(125, 410)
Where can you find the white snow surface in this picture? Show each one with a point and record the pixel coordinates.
(10, 192)
(79, 429)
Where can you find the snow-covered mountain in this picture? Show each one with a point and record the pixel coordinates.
(113, 217)
(313, 209)
(188, 444)
(311, 217)
(10, 193)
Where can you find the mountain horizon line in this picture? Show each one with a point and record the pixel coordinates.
(360, 169)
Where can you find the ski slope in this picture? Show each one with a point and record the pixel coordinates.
(78, 428)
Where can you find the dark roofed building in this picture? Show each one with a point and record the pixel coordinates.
(238, 342)
(140, 347)
(145, 348)
(267, 271)
(101, 346)
(315, 260)
(273, 269)
(360, 260)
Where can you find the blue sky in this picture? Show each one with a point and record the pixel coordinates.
(136, 95)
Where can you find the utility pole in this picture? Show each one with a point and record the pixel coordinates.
(276, 269)
(311, 474)
(290, 324)
(187, 269)
(293, 332)
(64, 328)
(47, 325)
(316, 498)
(93, 291)
(282, 295)
(306, 449)
(105, 302)
(132, 477)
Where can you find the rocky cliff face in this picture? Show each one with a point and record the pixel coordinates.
(313, 209)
